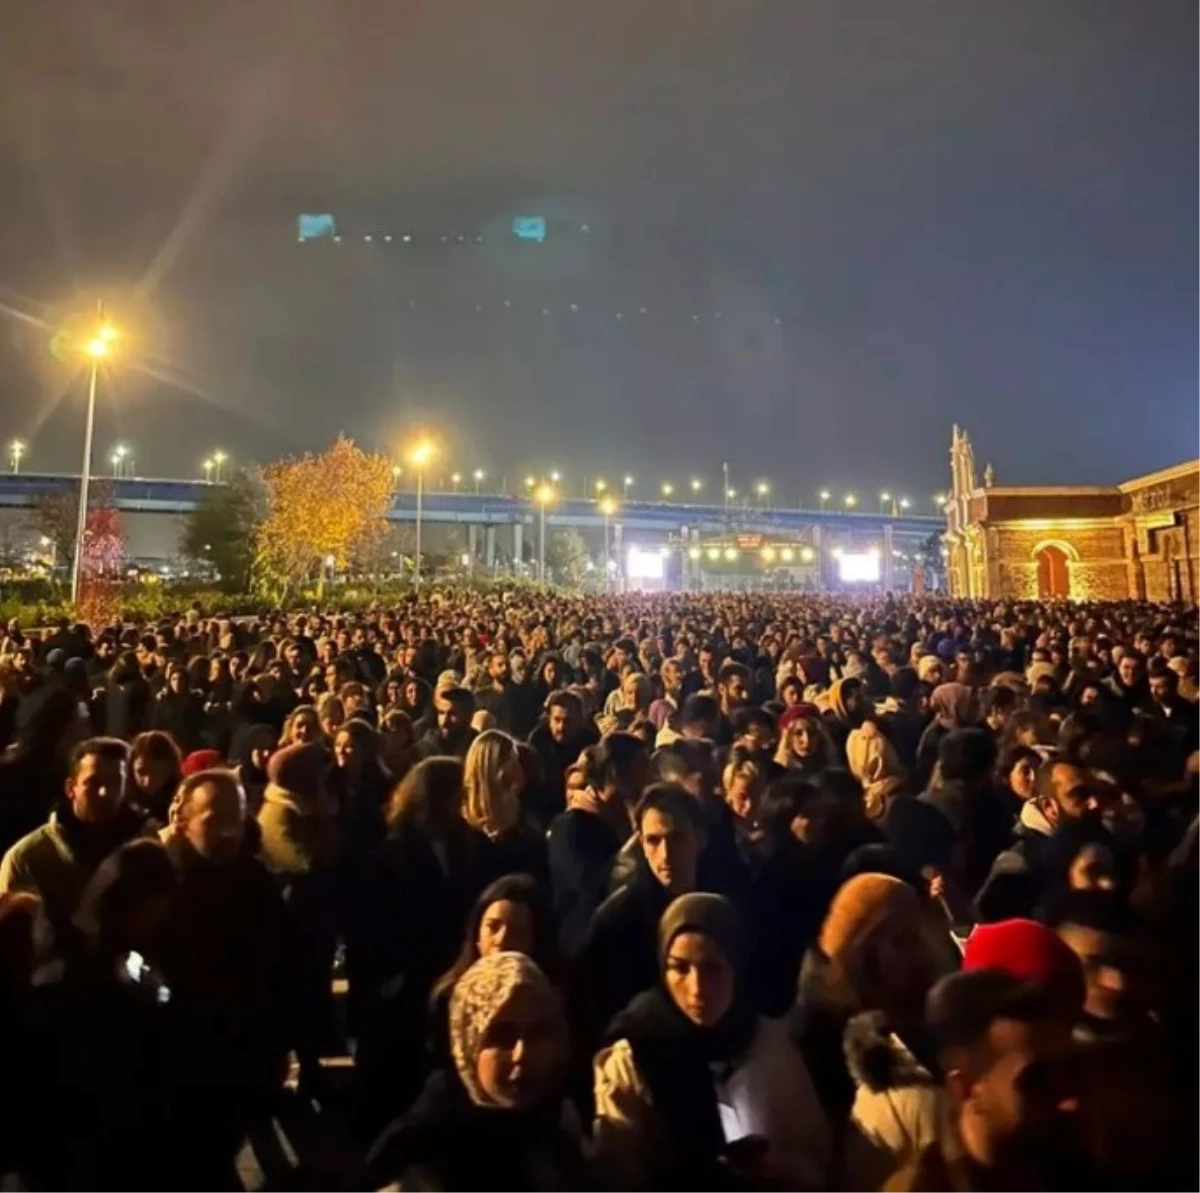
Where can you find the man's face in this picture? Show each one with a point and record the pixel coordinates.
(706, 662)
(97, 790)
(498, 668)
(215, 821)
(1074, 792)
(757, 738)
(450, 715)
(1129, 670)
(558, 721)
(1110, 967)
(1162, 687)
(292, 655)
(734, 693)
(672, 851)
(1025, 1096)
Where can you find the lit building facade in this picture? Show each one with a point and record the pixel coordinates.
(1133, 541)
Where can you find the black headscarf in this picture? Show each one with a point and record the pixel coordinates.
(678, 1059)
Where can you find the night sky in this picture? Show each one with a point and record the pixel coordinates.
(830, 229)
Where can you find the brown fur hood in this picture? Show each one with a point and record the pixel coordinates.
(877, 1058)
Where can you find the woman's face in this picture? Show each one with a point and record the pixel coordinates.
(333, 719)
(743, 796)
(412, 694)
(903, 962)
(345, 752)
(699, 978)
(392, 691)
(305, 730)
(524, 1051)
(1094, 869)
(506, 926)
(804, 741)
(214, 670)
(791, 696)
(1021, 778)
(177, 682)
(150, 773)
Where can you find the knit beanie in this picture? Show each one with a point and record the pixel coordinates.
(300, 770)
(858, 908)
(199, 760)
(1027, 950)
(809, 711)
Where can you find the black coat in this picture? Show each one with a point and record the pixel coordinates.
(446, 1142)
(581, 848)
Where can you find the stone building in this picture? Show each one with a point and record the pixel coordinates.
(1136, 540)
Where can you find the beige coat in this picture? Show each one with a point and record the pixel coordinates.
(627, 1140)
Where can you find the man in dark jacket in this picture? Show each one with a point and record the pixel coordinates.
(583, 841)
(499, 697)
(453, 734)
(621, 958)
(558, 741)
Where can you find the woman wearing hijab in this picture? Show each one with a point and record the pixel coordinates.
(510, 916)
(694, 1089)
(953, 707)
(496, 1118)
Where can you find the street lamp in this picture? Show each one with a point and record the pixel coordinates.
(850, 500)
(823, 496)
(628, 486)
(544, 495)
(884, 498)
(940, 499)
(397, 473)
(555, 477)
(208, 467)
(904, 503)
(530, 482)
(608, 507)
(455, 481)
(697, 484)
(118, 459)
(667, 489)
(219, 458)
(420, 457)
(97, 348)
(763, 490)
(730, 495)
(15, 451)
(477, 476)
(601, 485)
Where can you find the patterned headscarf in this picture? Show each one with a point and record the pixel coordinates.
(479, 997)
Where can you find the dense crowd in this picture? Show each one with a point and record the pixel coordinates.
(637, 892)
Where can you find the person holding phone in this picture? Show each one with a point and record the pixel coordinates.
(694, 1089)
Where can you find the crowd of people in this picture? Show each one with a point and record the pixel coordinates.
(665, 891)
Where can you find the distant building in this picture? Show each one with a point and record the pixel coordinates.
(1133, 541)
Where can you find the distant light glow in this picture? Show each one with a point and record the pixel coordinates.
(644, 565)
(529, 227)
(859, 567)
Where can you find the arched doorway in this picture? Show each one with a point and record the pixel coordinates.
(1053, 574)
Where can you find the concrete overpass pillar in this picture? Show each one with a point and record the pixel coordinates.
(889, 558)
(472, 544)
(518, 544)
(489, 547)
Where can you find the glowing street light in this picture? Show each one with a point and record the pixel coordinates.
(544, 495)
(607, 506)
(940, 500)
(530, 481)
(16, 450)
(219, 458)
(477, 476)
(555, 477)
(850, 500)
(601, 485)
(730, 495)
(420, 456)
(667, 489)
(117, 459)
(697, 484)
(97, 347)
(823, 496)
(628, 486)
(763, 490)
(210, 464)
(904, 503)
(455, 481)
(884, 498)
(397, 473)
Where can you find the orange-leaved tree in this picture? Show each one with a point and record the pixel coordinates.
(327, 506)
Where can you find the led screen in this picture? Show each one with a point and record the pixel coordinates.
(859, 569)
(641, 564)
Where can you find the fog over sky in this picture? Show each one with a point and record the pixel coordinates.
(803, 236)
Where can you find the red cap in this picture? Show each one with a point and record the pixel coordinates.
(199, 760)
(809, 711)
(1029, 951)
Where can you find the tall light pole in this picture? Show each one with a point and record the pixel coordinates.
(545, 495)
(697, 485)
(728, 491)
(850, 500)
(420, 457)
(608, 507)
(455, 481)
(219, 458)
(478, 476)
(628, 485)
(763, 490)
(823, 497)
(667, 490)
(208, 467)
(118, 460)
(97, 349)
(16, 450)
(397, 473)
(884, 498)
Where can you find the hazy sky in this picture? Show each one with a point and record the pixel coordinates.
(850, 223)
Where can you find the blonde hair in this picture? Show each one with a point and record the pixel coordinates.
(740, 768)
(489, 803)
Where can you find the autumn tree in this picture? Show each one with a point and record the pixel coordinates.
(55, 516)
(330, 505)
(223, 528)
